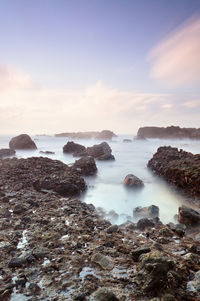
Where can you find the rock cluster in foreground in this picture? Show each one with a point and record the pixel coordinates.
(100, 151)
(179, 168)
(168, 132)
(58, 248)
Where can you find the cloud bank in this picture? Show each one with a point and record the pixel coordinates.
(26, 107)
(176, 60)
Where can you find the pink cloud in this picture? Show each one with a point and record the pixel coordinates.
(176, 59)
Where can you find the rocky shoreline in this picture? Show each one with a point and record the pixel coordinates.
(55, 247)
(169, 132)
(179, 168)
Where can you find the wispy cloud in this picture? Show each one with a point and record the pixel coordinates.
(176, 59)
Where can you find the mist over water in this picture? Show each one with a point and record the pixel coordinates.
(106, 190)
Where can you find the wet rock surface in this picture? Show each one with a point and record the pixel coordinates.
(133, 181)
(22, 141)
(58, 248)
(179, 168)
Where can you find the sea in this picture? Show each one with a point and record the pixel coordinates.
(106, 190)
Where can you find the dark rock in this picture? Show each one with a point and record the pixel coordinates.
(23, 141)
(100, 151)
(149, 212)
(139, 251)
(179, 168)
(144, 223)
(72, 147)
(6, 152)
(112, 229)
(153, 271)
(85, 166)
(17, 262)
(188, 216)
(80, 297)
(104, 294)
(18, 209)
(132, 181)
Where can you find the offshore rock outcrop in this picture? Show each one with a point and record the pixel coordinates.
(132, 181)
(168, 132)
(22, 141)
(104, 135)
(73, 148)
(179, 168)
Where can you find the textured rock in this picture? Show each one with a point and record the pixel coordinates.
(104, 294)
(188, 216)
(100, 151)
(22, 141)
(85, 166)
(72, 147)
(104, 261)
(149, 212)
(144, 223)
(179, 168)
(133, 181)
(6, 152)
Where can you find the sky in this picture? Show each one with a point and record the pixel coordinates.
(80, 65)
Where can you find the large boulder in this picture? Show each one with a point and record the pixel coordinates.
(133, 181)
(6, 152)
(188, 216)
(85, 166)
(149, 212)
(72, 147)
(100, 151)
(22, 141)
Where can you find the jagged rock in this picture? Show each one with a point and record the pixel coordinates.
(179, 168)
(188, 216)
(153, 271)
(22, 141)
(139, 251)
(100, 151)
(144, 223)
(85, 166)
(72, 147)
(149, 212)
(104, 261)
(6, 152)
(104, 294)
(133, 181)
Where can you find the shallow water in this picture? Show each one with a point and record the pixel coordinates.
(106, 189)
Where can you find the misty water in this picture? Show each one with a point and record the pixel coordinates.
(106, 190)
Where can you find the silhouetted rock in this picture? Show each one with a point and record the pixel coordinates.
(85, 166)
(178, 167)
(168, 132)
(6, 152)
(133, 181)
(149, 212)
(72, 147)
(100, 151)
(104, 135)
(22, 141)
(188, 216)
